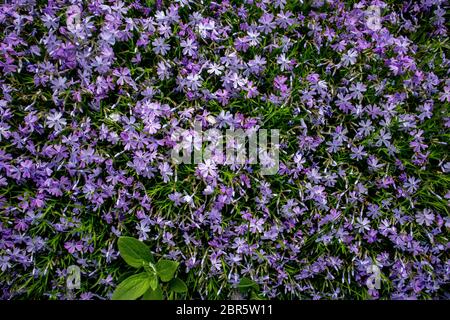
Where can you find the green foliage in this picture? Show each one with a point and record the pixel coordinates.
(177, 285)
(250, 288)
(134, 252)
(132, 287)
(166, 269)
(154, 294)
(147, 284)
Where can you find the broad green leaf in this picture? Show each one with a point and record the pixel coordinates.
(151, 294)
(153, 281)
(247, 284)
(166, 269)
(177, 285)
(134, 252)
(132, 287)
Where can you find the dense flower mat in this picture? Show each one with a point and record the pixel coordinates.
(92, 92)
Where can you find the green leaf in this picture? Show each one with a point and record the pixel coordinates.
(153, 281)
(151, 294)
(166, 269)
(247, 284)
(177, 285)
(134, 252)
(132, 287)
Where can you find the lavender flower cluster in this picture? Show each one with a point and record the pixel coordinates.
(93, 91)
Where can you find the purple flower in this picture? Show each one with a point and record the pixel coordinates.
(426, 217)
(73, 246)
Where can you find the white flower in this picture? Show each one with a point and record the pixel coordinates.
(349, 58)
(362, 224)
(189, 200)
(215, 68)
(208, 168)
(56, 121)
